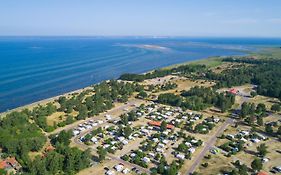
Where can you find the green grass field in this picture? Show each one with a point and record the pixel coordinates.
(209, 62)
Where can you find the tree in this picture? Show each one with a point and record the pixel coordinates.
(260, 120)
(102, 153)
(262, 149)
(142, 94)
(256, 164)
(253, 93)
(163, 126)
(127, 131)
(83, 112)
(279, 131)
(62, 138)
(243, 170)
(269, 129)
(275, 107)
(124, 119)
(260, 108)
(173, 169)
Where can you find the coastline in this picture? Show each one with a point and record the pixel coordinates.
(44, 101)
(209, 61)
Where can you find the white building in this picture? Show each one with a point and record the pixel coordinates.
(180, 156)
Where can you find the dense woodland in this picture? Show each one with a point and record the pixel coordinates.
(198, 98)
(263, 73)
(184, 69)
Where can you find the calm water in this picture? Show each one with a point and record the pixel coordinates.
(35, 68)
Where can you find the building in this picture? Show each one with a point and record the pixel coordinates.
(158, 124)
(233, 91)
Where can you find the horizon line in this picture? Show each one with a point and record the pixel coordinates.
(144, 36)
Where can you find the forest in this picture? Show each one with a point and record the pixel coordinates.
(19, 137)
(265, 73)
(198, 98)
(183, 69)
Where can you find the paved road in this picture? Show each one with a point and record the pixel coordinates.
(210, 143)
(75, 124)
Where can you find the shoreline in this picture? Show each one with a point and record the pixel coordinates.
(207, 61)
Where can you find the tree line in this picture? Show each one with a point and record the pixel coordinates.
(183, 69)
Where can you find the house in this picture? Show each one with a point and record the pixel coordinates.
(76, 132)
(125, 171)
(108, 117)
(125, 142)
(165, 141)
(233, 91)
(260, 136)
(118, 167)
(155, 140)
(4, 165)
(94, 140)
(145, 131)
(133, 155)
(121, 138)
(264, 160)
(277, 168)
(188, 144)
(180, 156)
(161, 145)
(245, 133)
(255, 140)
(262, 173)
(191, 150)
(49, 148)
(110, 173)
(14, 163)
(146, 159)
(230, 136)
(194, 141)
(158, 124)
(159, 150)
(106, 146)
(151, 154)
(216, 120)
(243, 139)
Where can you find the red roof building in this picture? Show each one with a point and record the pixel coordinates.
(262, 173)
(4, 164)
(12, 161)
(156, 123)
(233, 91)
(49, 148)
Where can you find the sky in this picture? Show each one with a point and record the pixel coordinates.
(214, 18)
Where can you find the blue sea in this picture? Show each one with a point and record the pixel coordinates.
(36, 68)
